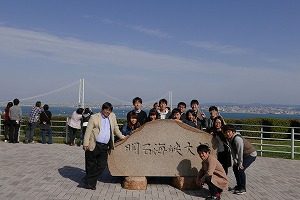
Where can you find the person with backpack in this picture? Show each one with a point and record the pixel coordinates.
(243, 155)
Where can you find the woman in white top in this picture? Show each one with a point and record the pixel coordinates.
(74, 124)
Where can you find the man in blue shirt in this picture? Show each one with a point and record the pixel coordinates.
(98, 140)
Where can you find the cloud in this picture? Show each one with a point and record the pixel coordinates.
(33, 44)
(220, 48)
(152, 32)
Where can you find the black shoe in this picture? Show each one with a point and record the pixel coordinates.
(87, 185)
(239, 192)
(213, 198)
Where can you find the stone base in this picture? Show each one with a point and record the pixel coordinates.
(184, 183)
(135, 183)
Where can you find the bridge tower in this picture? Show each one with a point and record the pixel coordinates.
(81, 93)
(170, 100)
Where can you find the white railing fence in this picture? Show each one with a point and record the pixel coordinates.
(266, 139)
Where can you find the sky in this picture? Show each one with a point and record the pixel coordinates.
(214, 51)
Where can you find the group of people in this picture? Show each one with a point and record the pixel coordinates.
(234, 150)
(99, 131)
(38, 115)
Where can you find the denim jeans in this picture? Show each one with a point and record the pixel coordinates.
(49, 132)
(72, 133)
(30, 131)
(240, 174)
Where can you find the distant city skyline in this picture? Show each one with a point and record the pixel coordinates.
(240, 52)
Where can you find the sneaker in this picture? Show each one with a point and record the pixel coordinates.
(239, 192)
(233, 188)
(25, 141)
(5, 140)
(31, 142)
(213, 198)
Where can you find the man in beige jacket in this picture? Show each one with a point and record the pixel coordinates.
(98, 140)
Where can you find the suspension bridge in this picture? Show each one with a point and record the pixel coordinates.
(82, 88)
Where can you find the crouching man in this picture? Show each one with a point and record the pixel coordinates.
(212, 173)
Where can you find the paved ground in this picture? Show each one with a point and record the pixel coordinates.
(37, 171)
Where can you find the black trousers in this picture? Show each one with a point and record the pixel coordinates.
(95, 163)
(212, 188)
(14, 131)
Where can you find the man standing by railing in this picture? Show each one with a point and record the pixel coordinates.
(32, 122)
(15, 116)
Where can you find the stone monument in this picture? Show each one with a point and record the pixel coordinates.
(164, 148)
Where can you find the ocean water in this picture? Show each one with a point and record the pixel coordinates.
(122, 112)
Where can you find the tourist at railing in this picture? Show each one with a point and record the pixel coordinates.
(7, 121)
(153, 114)
(98, 140)
(15, 115)
(85, 119)
(131, 124)
(224, 154)
(74, 125)
(163, 112)
(243, 154)
(200, 115)
(32, 122)
(182, 106)
(212, 173)
(45, 124)
(142, 115)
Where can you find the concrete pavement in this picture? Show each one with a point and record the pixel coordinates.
(37, 171)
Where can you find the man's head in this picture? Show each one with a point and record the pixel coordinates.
(107, 108)
(16, 102)
(137, 103)
(38, 104)
(181, 106)
(163, 104)
(213, 111)
(203, 151)
(194, 105)
(229, 131)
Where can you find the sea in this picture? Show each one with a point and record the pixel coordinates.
(122, 112)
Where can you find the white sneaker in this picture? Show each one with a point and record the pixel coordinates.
(5, 141)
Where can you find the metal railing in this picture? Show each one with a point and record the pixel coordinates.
(266, 139)
(272, 139)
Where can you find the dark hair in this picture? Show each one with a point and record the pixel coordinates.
(187, 113)
(174, 111)
(79, 111)
(46, 107)
(181, 104)
(107, 105)
(229, 127)
(38, 104)
(155, 104)
(163, 101)
(152, 111)
(9, 104)
(129, 124)
(16, 101)
(221, 119)
(194, 101)
(137, 99)
(87, 110)
(203, 148)
(213, 108)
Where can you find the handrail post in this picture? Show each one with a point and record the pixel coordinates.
(292, 143)
(261, 140)
(67, 130)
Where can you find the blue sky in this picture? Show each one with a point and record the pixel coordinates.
(213, 51)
